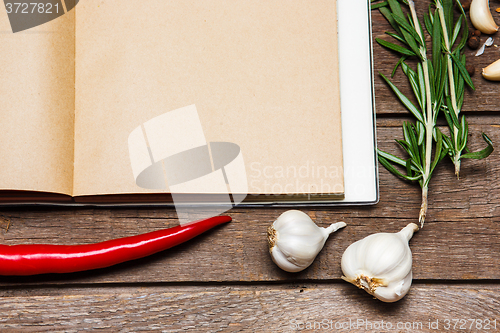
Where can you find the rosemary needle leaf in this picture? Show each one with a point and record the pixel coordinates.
(400, 61)
(434, 81)
(406, 146)
(436, 41)
(464, 132)
(448, 145)
(386, 12)
(439, 147)
(395, 159)
(465, 33)
(409, 105)
(412, 140)
(395, 171)
(456, 31)
(413, 79)
(391, 157)
(396, 8)
(428, 24)
(398, 18)
(448, 14)
(442, 86)
(421, 83)
(378, 5)
(482, 153)
(448, 119)
(421, 133)
(411, 30)
(412, 43)
(395, 47)
(463, 71)
(452, 113)
(409, 172)
(396, 37)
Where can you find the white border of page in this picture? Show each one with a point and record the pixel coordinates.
(357, 104)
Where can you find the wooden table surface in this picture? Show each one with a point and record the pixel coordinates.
(225, 279)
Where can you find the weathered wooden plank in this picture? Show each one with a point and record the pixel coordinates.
(460, 240)
(238, 252)
(484, 98)
(252, 308)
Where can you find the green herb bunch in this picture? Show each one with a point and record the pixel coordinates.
(438, 84)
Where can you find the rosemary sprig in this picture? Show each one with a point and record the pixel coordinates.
(457, 78)
(437, 84)
(427, 84)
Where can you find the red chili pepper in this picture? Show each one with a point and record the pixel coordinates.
(32, 259)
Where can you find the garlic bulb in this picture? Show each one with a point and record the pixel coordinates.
(492, 72)
(381, 264)
(481, 18)
(295, 240)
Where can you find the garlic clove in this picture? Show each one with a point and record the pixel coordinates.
(381, 264)
(390, 263)
(295, 240)
(394, 290)
(481, 18)
(286, 263)
(492, 71)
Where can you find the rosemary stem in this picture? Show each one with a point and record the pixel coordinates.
(429, 128)
(456, 161)
(423, 207)
(429, 121)
(414, 16)
(451, 79)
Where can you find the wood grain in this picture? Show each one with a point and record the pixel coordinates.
(248, 308)
(238, 252)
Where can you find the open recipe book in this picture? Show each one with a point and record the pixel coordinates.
(114, 102)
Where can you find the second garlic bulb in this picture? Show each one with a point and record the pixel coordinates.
(381, 264)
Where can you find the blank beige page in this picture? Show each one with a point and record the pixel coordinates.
(262, 74)
(37, 97)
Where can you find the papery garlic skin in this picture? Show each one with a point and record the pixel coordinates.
(295, 240)
(381, 264)
(492, 72)
(481, 18)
